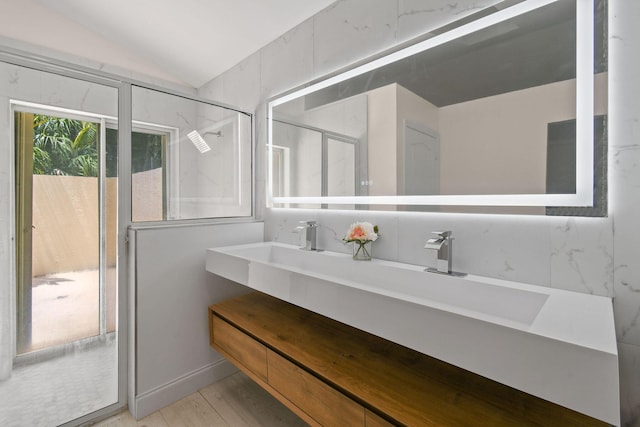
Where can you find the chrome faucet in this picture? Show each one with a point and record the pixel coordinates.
(442, 245)
(310, 228)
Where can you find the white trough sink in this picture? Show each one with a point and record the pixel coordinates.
(551, 343)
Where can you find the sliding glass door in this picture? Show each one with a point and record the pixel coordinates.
(61, 326)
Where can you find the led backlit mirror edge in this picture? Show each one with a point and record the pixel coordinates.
(584, 120)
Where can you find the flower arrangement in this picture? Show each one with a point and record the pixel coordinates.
(361, 234)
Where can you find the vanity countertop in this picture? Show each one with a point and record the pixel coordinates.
(552, 343)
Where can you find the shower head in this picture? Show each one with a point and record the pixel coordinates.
(198, 141)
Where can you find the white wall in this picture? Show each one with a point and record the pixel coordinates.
(512, 124)
(382, 132)
(579, 254)
(416, 110)
(388, 107)
(223, 174)
(172, 357)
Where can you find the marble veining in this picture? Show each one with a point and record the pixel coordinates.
(416, 15)
(633, 323)
(591, 255)
(435, 7)
(573, 244)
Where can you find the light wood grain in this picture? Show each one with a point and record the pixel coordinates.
(320, 401)
(238, 400)
(239, 346)
(408, 387)
(373, 420)
(125, 419)
(192, 411)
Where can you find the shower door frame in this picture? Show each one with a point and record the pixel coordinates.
(126, 290)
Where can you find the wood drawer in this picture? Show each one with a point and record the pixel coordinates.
(334, 366)
(324, 404)
(239, 346)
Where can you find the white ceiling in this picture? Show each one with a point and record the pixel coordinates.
(188, 41)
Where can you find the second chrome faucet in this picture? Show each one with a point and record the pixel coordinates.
(442, 245)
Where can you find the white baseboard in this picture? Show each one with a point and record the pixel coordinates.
(153, 400)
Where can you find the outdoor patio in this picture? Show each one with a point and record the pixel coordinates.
(66, 307)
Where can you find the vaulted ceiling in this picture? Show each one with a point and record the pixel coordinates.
(186, 41)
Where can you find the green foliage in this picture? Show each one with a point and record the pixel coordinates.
(64, 146)
(41, 161)
(69, 147)
(146, 152)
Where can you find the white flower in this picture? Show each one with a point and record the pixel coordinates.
(361, 232)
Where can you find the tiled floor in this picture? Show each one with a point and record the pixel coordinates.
(58, 390)
(61, 389)
(236, 401)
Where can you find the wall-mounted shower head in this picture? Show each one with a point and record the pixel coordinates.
(199, 141)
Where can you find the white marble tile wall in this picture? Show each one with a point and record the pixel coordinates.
(592, 255)
(624, 193)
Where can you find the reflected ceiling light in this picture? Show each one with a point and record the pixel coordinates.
(198, 141)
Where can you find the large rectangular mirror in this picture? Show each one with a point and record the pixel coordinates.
(507, 109)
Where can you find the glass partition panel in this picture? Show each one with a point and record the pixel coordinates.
(190, 159)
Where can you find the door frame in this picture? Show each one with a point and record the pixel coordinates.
(36, 62)
(24, 193)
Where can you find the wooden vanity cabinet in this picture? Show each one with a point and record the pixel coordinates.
(239, 347)
(312, 399)
(331, 374)
(320, 401)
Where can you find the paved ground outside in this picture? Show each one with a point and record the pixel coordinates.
(65, 307)
(54, 387)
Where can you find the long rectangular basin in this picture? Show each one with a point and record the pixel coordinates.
(551, 343)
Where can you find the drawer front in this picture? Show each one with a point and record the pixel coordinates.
(241, 347)
(373, 420)
(327, 406)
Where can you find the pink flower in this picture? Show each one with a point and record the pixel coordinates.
(361, 232)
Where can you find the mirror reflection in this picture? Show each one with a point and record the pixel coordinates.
(490, 112)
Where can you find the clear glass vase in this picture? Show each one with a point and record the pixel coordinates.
(362, 251)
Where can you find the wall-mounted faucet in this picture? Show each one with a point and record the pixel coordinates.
(310, 230)
(442, 245)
